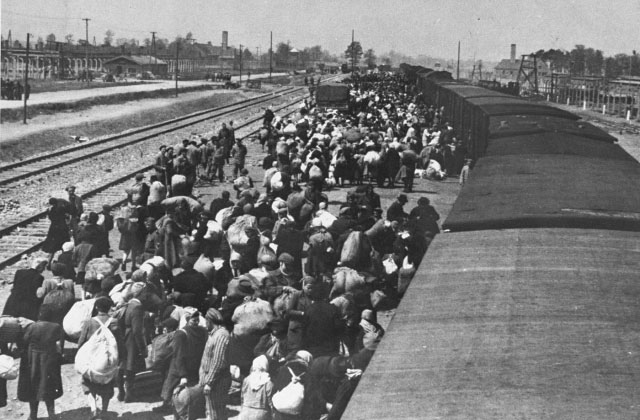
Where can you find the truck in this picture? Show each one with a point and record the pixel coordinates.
(334, 96)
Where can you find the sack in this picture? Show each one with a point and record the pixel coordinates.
(178, 184)
(276, 182)
(77, 316)
(345, 280)
(252, 317)
(372, 157)
(214, 231)
(119, 292)
(10, 329)
(160, 351)
(315, 173)
(9, 367)
(178, 201)
(157, 193)
(100, 266)
(355, 250)
(188, 402)
(224, 217)
(289, 399)
(60, 300)
(205, 266)
(390, 266)
(405, 274)
(242, 183)
(281, 304)
(290, 129)
(378, 299)
(241, 231)
(97, 359)
(266, 250)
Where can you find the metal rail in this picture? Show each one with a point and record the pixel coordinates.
(37, 225)
(150, 132)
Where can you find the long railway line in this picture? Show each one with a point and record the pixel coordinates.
(21, 236)
(34, 166)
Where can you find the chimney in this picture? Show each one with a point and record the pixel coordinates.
(513, 53)
(225, 40)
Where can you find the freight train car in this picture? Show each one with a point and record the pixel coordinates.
(526, 307)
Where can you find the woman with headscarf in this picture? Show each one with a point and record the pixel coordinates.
(93, 389)
(39, 378)
(257, 390)
(23, 300)
(58, 232)
(298, 365)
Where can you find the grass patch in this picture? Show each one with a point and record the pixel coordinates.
(45, 141)
(11, 115)
(42, 86)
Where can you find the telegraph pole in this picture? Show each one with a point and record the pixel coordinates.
(271, 57)
(26, 81)
(153, 45)
(240, 63)
(177, 55)
(353, 52)
(458, 69)
(86, 49)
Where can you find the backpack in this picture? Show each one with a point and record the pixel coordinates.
(289, 399)
(97, 359)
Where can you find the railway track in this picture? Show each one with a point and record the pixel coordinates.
(37, 165)
(24, 235)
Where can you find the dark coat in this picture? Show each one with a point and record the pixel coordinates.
(22, 301)
(39, 377)
(135, 346)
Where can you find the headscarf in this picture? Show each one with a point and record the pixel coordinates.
(304, 356)
(259, 373)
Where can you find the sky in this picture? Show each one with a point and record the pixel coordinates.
(485, 28)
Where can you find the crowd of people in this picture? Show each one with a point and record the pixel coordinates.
(13, 90)
(266, 294)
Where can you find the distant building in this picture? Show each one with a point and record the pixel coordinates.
(135, 64)
(507, 70)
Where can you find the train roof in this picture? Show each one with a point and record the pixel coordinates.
(509, 105)
(510, 324)
(546, 190)
(555, 143)
(470, 91)
(519, 124)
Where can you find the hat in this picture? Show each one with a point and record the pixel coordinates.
(70, 187)
(338, 366)
(244, 286)
(67, 246)
(139, 177)
(170, 324)
(268, 259)
(402, 198)
(244, 171)
(423, 201)
(214, 316)
(286, 258)
(106, 207)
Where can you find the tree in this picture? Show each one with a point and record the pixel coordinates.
(386, 61)
(51, 38)
(282, 53)
(108, 37)
(370, 58)
(246, 54)
(353, 53)
(69, 38)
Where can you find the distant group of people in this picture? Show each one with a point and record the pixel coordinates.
(267, 295)
(13, 90)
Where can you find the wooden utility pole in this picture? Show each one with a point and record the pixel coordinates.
(271, 57)
(241, 63)
(353, 51)
(26, 82)
(177, 56)
(153, 45)
(458, 69)
(86, 49)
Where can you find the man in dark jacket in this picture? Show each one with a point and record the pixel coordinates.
(132, 323)
(395, 211)
(220, 203)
